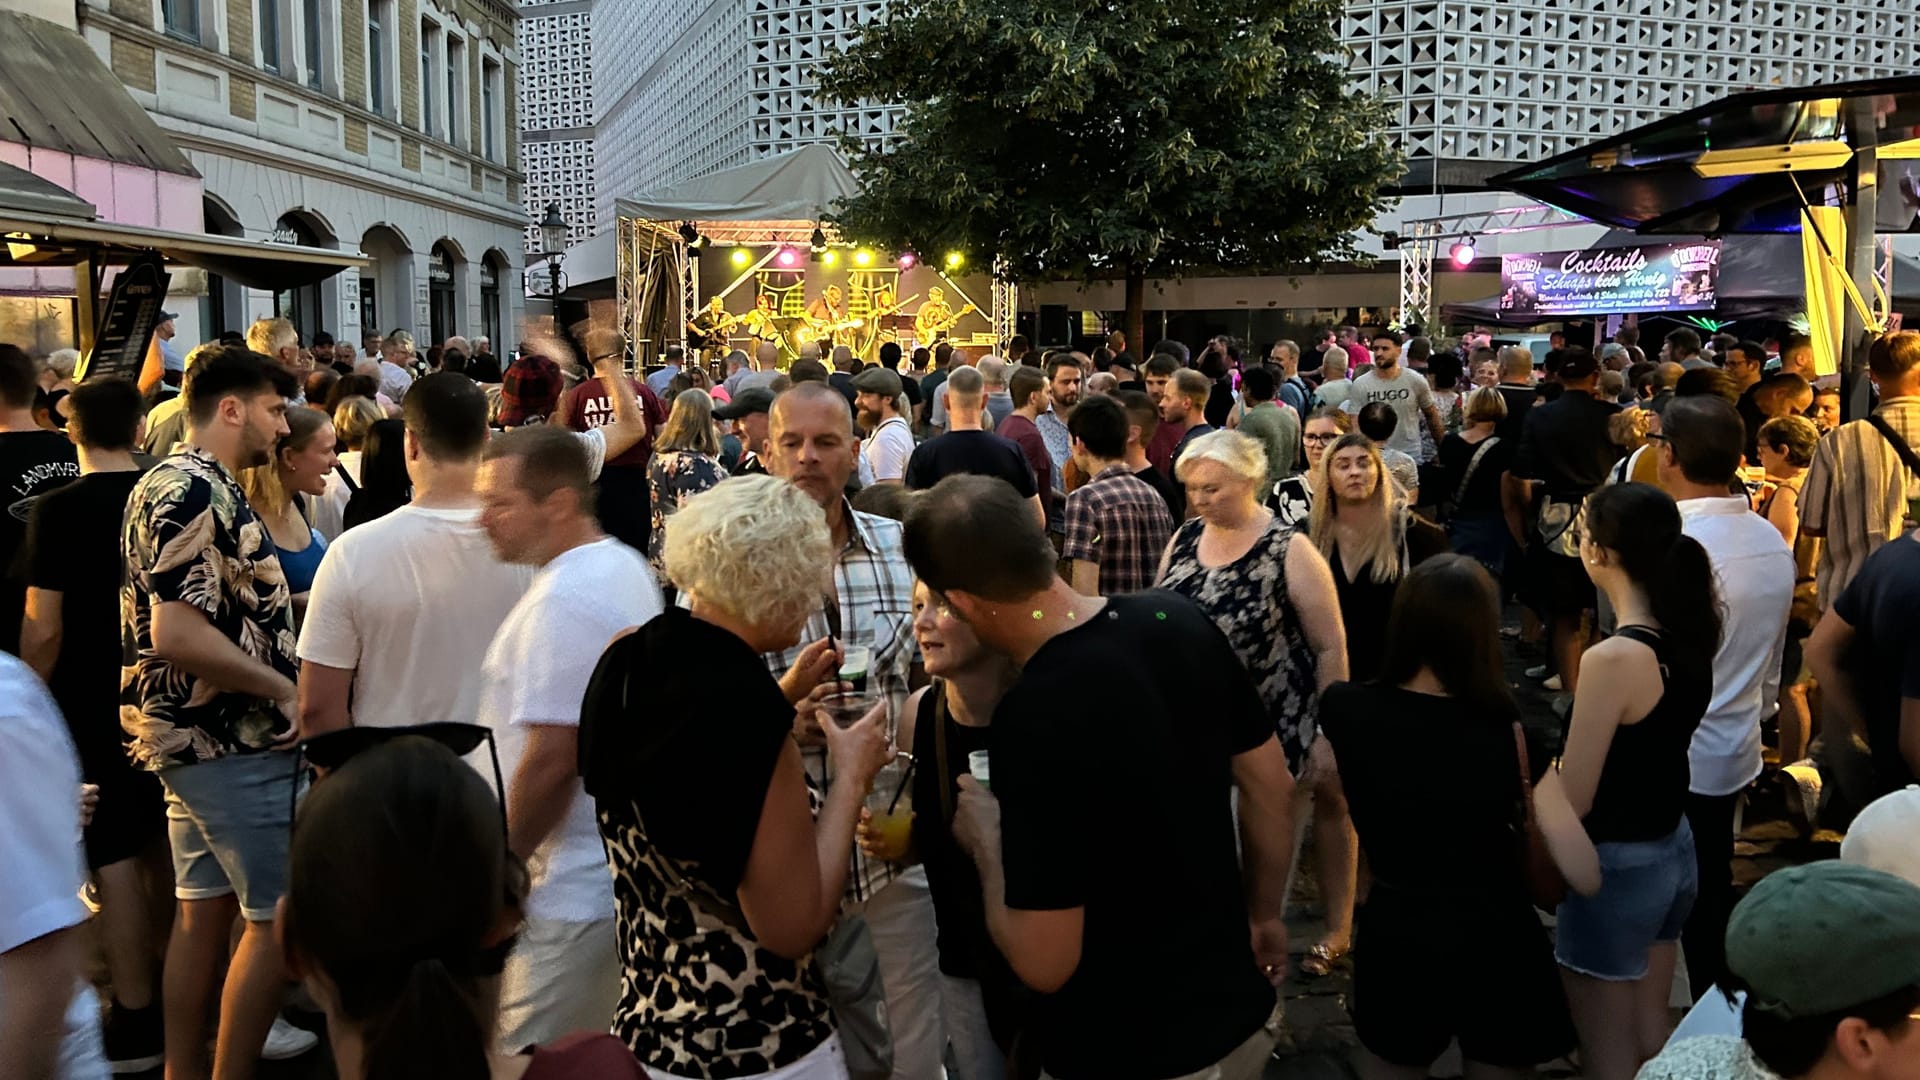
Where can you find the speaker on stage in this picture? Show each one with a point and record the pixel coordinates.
(1055, 328)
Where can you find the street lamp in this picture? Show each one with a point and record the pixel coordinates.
(553, 242)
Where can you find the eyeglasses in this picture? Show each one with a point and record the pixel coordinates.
(1318, 438)
(332, 749)
(1654, 436)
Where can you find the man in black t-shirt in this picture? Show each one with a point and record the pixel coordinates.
(1866, 654)
(1106, 845)
(72, 638)
(968, 447)
(33, 461)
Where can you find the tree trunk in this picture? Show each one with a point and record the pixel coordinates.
(1137, 310)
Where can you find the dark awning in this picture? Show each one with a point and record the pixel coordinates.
(57, 94)
(1732, 166)
(35, 240)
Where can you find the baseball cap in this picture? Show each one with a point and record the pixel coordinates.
(1886, 835)
(1817, 939)
(1577, 363)
(168, 316)
(750, 400)
(877, 380)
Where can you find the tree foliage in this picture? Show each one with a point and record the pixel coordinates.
(1109, 138)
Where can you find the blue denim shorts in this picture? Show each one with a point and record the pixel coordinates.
(1647, 888)
(227, 820)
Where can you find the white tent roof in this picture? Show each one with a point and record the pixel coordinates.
(780, 195)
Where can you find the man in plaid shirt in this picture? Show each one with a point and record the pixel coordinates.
(1117, 525)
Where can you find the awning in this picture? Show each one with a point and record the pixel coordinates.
(37, 240)
(781, 198)
(57, 94)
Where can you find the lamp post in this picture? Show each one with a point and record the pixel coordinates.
(553, 243)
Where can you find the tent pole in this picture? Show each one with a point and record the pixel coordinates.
(1863, 198)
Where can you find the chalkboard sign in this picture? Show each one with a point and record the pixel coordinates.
(133, 309)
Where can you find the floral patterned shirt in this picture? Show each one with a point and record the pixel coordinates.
(190, 537)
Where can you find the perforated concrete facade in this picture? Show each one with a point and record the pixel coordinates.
(556, 114)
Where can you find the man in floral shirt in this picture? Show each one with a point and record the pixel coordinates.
(209, 697)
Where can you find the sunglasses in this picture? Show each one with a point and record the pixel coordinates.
(333, 749)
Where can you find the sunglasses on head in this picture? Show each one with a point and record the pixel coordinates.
(333, 749)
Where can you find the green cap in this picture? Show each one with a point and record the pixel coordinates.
(1824, 937)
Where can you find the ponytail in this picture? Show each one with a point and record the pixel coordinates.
(1685, 598)
(433, 1027)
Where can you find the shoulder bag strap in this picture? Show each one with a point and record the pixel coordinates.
(1473, 466)
(1899, 444)
(346, 478)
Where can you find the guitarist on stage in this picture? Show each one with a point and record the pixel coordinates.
(935, 318)
(828, 315)
(708, 330)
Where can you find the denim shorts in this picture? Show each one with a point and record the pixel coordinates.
(227, 820)
(1647, 887)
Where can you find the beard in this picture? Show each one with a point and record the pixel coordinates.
(868, 419)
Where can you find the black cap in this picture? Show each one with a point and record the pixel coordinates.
(167, 316)
(750, 400)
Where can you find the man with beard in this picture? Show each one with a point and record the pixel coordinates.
(889, 443)
(210, 703)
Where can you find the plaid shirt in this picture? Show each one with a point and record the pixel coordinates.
(1118, 521)
(529, 390)
(874, 589)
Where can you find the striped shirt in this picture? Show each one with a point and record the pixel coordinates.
(1856, 493)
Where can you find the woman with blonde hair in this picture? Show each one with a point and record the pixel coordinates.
(686, 462)
(1471, 462)
(278, 493)
(725, 881)
(353, 420)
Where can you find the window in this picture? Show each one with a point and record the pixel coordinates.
(490, 125)
(312, 50)
(182, 18)
(457, 132)
(270, 35)
(379, 56)
(428, 32)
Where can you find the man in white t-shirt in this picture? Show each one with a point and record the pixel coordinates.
(889, 442)
(537, 509)
(402, 606)
(49, 1016)
(1401, 389)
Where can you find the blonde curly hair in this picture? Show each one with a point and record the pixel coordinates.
(753, 546)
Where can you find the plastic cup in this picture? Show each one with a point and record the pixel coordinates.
(854, 661)
(977, 765)
(891, 805)
(846, 709)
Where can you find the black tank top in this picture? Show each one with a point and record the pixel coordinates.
(962, 941)
(1642, 792)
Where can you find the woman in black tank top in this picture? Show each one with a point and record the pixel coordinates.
(944, 724)
(1625, 769)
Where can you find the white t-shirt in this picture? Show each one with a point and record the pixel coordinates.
(409, 602)
(1407, 393)
(536, 671)
(1336, 392)
(1754, 570)
(328, 510)
(888, 449)
(40, 891)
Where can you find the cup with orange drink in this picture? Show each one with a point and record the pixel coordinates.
(890, 809)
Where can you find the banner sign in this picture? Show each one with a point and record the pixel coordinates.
(1643, 278)
(133, 310)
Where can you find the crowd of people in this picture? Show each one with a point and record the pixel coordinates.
(953, 715)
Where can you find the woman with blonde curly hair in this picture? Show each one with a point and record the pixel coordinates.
(725, 881)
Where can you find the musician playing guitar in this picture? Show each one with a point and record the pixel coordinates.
(935, 318)
(708, 330)
(759, 322)
(828, 317)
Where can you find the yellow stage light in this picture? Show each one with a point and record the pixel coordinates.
(863, 257)
(830, 257)
(741, 257)
(955, 260)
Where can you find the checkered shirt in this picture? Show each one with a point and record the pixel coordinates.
(529, 390)
(1119, 522)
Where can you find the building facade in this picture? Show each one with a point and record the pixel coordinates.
(556, 115)
(388, 127)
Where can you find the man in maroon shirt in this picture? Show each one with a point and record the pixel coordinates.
(1160, 369)
(1028, 388)
(624, 507)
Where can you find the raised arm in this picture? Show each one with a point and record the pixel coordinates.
(629, 423)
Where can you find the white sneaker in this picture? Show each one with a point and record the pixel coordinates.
(287, 1041)
(1538, 671)
(1552, 684)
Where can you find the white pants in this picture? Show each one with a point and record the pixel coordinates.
(826, 1062)
(560, 978)
(975, 1055)
(901, 919)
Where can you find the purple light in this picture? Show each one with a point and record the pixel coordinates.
(787, 257)
(907, 260)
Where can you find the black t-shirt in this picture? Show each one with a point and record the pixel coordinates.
(1483, 491)
(980, 453)
(73, 548)
(1114, 798)
(1366, 604)
(32, 463)
(1455, 765)
(1882, 604)
(1176, 498)
(1520, 401)
(911, 388)
(843, 382)
(1565, 445)
(1750, 413)
(1191, 434)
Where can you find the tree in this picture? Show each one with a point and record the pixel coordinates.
(1085, 139)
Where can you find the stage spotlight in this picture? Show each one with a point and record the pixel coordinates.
(863, 257)
(830, 257)
(819, 239)
(907, 260)
(690, 233)
(741, 257)
(787, 257)
(1462, 252)
(955, 260)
